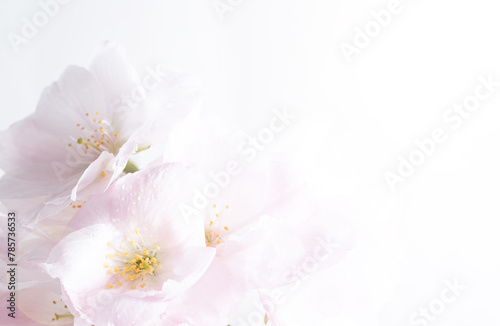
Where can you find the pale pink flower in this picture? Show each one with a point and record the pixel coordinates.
(132, 254)
(87, 127)
(261, 221)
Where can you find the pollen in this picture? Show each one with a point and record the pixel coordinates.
(134, 270)
(102, 173)
(110, 286)
(214, 231)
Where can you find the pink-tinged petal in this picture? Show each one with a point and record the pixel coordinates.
(116, 75)
(188, 265)
(30, 158)
(80, 322)
(212, 300)
(171, 100)
(108, 309)
(301, 236)
(77, 260)
(76, 93)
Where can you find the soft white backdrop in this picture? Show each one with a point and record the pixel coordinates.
(354, 119)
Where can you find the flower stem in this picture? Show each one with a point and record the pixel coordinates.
(130, 167)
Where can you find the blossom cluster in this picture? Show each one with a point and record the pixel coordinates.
(107, 237)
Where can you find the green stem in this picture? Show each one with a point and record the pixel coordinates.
(130, 167)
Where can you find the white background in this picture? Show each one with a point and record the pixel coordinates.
(354, 119)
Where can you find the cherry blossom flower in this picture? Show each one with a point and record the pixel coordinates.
(87, 128)
(257, 216)
(132, 253)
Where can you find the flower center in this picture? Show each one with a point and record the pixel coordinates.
(97, 135)
(214, 230)
(131, 263)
